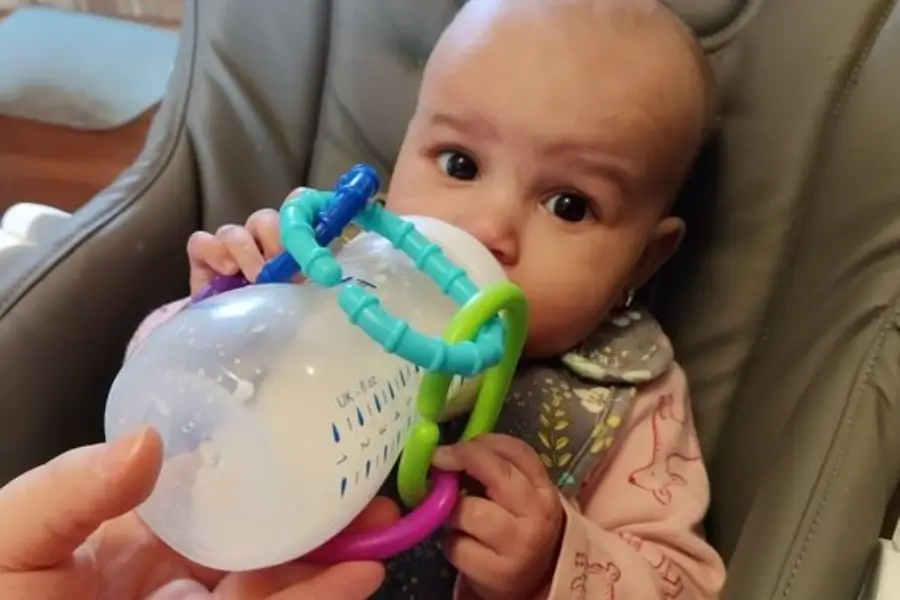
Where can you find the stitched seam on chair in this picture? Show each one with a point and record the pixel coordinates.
(877, 345)
(803, 194)
(323, 85)
(864, 382)
(804, 202)
(367, 147)
(715, 41)
(158, 163)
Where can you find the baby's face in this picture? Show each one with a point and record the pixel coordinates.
(552, 147)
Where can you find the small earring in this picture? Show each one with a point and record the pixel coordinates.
(629, 298)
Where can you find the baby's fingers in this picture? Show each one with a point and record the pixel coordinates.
(263, 226)
(243, 249)
(208, 258)
(503, 482)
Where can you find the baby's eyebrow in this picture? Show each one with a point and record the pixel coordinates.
(472, 125)
(596, 161)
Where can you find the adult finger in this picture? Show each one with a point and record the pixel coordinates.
(302, 581)
(484, 521)
(263, 226)
(243, 249)
(379, 514)
(48, 512)
(73, 578)
(181, 589)
(298, 575)
(345, 581)
(502, 481)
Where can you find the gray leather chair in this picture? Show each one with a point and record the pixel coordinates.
(783, 306)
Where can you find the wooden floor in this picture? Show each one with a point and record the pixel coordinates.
(63, 167)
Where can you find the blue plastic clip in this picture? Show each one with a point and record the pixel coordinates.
(351, 194)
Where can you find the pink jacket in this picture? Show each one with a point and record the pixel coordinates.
(635, 530)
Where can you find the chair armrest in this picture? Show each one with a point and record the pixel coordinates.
(69, 304)
(32, 223)
(11, 248)
(883, 577)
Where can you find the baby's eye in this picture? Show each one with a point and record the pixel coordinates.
(458, 165)
(569, 207)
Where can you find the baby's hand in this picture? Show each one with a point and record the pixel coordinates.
(234, 249)
(506, 545)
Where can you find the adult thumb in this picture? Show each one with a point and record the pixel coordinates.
(50, 511)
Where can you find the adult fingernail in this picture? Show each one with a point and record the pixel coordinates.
(121, 452)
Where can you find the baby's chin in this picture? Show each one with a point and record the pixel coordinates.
(555, 336)
(541, 345)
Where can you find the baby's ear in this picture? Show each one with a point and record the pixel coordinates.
(664, 242)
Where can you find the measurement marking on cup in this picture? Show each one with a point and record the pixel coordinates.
(369, 399)
(361, 282)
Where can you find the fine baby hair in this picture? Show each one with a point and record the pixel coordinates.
(284, 407)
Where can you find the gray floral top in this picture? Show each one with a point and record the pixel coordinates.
(569, 410)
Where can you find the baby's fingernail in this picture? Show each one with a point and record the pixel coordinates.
(228, 267)
(443, 458)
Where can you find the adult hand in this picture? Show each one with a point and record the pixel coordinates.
(69, 532)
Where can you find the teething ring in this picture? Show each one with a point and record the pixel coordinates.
(504, 299)
(432, 509)
(364, 309)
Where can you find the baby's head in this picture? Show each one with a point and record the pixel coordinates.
(558, 133)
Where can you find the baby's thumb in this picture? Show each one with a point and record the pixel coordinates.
(50, 511)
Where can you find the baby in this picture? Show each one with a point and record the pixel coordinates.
(558, 133)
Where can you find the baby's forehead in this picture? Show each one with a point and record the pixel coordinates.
(479, 18)
(590, 38)
(617, 64)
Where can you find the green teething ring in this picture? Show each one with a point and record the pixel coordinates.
(415, 461)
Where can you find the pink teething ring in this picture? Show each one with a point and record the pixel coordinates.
(403, 535)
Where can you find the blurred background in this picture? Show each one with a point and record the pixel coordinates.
(80, 81)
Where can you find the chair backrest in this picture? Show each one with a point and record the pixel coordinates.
(783, 306)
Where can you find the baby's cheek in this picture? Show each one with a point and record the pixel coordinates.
(561, 319)
(402, 204)
(548, 337)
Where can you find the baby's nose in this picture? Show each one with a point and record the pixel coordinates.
(498, 236)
